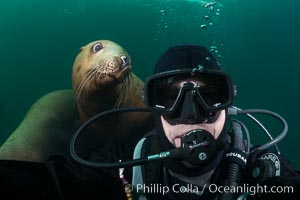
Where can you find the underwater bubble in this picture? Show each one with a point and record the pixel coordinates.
(203, 26)
(207, 58)
(213, 49)
(206, 17)
(210, 24)
(217, 13)
(209, 5)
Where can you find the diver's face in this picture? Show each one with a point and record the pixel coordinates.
(175, 133)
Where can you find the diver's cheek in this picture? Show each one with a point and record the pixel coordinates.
(168, 134)
(219, 124)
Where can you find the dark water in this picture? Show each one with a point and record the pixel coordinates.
(257, 42)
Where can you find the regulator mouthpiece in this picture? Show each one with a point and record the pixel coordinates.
(199, 147)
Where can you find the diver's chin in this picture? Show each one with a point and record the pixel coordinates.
(177, 142)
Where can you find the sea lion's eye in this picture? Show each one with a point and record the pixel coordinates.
(97, 47)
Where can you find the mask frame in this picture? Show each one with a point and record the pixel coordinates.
(192, 73)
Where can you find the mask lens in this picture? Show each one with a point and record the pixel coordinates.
(213, 90)
(162, 93)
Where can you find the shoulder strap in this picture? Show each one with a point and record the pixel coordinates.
(145, 174)
(151, 170)
(137, 176)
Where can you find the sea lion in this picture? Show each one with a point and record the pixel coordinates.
(102, 79)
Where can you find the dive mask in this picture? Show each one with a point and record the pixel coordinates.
(189, 93)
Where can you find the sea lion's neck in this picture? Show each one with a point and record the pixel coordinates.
(97, 101)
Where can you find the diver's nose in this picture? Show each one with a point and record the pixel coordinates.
(190, 108)
(125, 62)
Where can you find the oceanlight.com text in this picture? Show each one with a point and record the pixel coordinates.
(251, 189)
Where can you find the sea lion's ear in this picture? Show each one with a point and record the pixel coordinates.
(81, 48)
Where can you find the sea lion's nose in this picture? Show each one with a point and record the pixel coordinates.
(125, 62)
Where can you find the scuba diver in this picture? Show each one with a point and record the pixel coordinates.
(192, 99)
(190, 96)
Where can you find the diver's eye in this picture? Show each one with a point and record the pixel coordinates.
(97, 47)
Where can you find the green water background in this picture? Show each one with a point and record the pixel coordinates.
(257, 42)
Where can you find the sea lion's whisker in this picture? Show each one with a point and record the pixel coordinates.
(129, 76)
(123, 95)
(80, 90)
(118, 102)
(81, 86)
(92, 72)
(83, 89)
(126, 88)
(127, 85)
(99, 74)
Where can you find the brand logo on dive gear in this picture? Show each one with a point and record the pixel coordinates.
(237, 155)
(273, 158)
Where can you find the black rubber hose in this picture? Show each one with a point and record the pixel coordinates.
(233, 174)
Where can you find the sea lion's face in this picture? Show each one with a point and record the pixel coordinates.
(99, 65)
